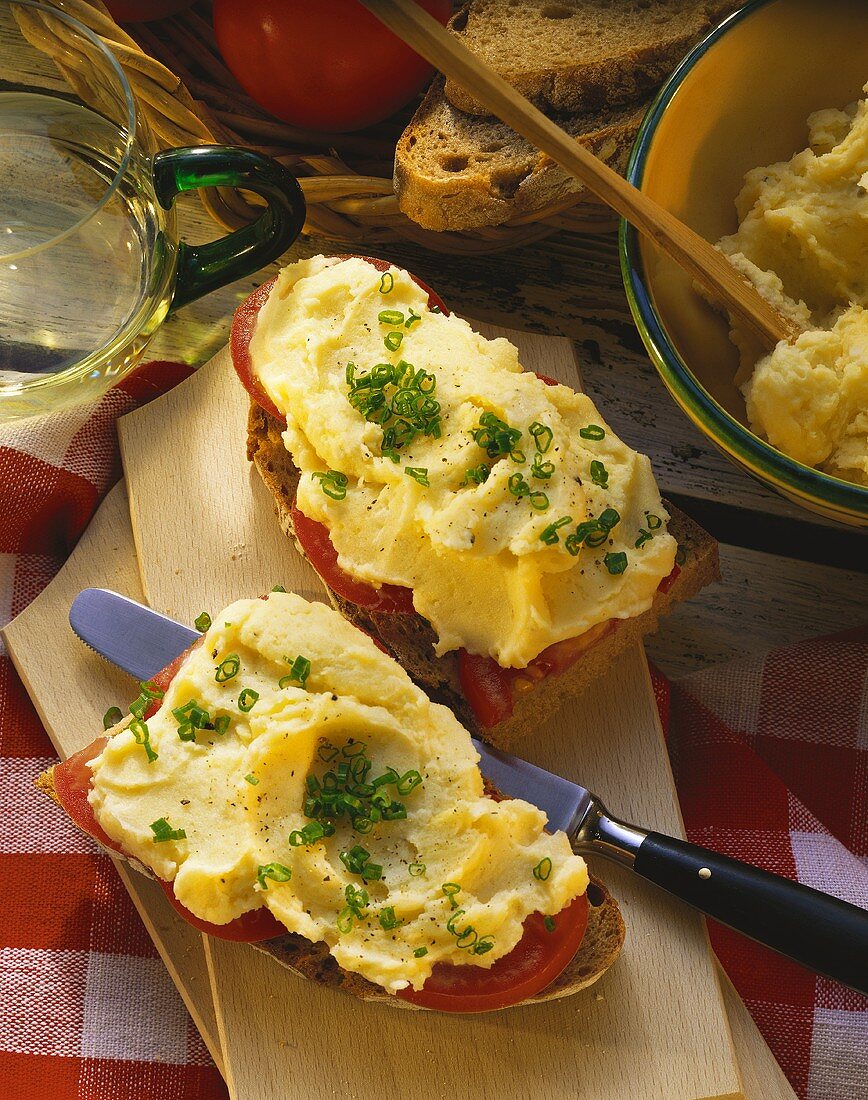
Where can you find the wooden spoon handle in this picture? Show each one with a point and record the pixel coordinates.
(704, 263)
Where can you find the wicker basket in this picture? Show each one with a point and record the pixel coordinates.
(190, 98)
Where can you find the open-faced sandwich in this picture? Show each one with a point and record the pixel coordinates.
(483, 522)
(289, 785)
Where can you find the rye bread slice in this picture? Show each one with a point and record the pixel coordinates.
(600, 946)
(580, 55)
(411, 639)
(454, 171)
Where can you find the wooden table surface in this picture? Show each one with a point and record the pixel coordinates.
(787, 575)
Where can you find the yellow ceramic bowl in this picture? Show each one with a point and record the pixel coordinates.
(740, 99)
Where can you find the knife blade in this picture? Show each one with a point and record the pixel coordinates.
(142, 642)
(815, 929)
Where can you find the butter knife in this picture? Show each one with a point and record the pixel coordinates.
(812, 928)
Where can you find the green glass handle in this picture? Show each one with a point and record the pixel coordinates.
(203, 268)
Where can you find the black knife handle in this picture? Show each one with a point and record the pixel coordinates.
(812, 928)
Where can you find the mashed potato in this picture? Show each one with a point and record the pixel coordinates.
(464, 521)
(218, 809)
(803, 241)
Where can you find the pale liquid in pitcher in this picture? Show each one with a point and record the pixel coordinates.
(76, 267)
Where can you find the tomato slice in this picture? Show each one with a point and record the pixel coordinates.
(667, 582)
(537, 959)
(72, 784)
(240, 335)
(252, 927)
(317, 545)
(486, 686)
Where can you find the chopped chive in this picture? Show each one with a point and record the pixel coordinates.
(392, 340)
(653, 521)
(221, 724)
(542, 436)
(596, 537)
(549, 535)
(644, 536)
(387, 282)
(416, 869)
(549, 923)
(483, 945)
(332, 482)
(599, 474)
(142, 736)
(387, 918)
(345, 919)
(543, 869)
(246, 699)
(228, 668)
(609, 518)
(275, 871)
(466, 939)
(477, 475)
(615, 563)
(202, 622)
(150, 689)
(538, 500)
(450, 924)
(496, 437)
(111, 717)
(298, 672)
(408, 782)
(390, 317)
(518, 486)
(139, 706)
(413, 318)
(593, 431)
(357, 900)
(418, 473)
(311, 833)
(420, 952)
(278, 588)
(355, 859)
(541, 470)
(163, 831)
(186, 732)
(450, 889)
(252, 780)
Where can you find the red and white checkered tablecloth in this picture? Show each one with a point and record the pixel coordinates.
(770, 756)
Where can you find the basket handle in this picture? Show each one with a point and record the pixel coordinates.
(203, 268)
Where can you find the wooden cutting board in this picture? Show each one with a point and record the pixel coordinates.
(205, 536)
(609, 1041)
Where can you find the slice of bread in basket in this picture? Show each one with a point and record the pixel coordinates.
(411, 640)
(454, 171)
(580, 55)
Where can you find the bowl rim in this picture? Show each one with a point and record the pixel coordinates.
(761, 458)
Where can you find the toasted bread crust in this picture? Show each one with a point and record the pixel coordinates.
(581, 54)
(599, 948)
(411, 639)
(456, 172)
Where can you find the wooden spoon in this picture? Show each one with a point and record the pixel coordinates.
(704, 263)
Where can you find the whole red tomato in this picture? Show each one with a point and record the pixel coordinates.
(141, 11)
(324, 65)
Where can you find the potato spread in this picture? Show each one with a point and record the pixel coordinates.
(285, 713)
(803, 240)
(509, 507)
